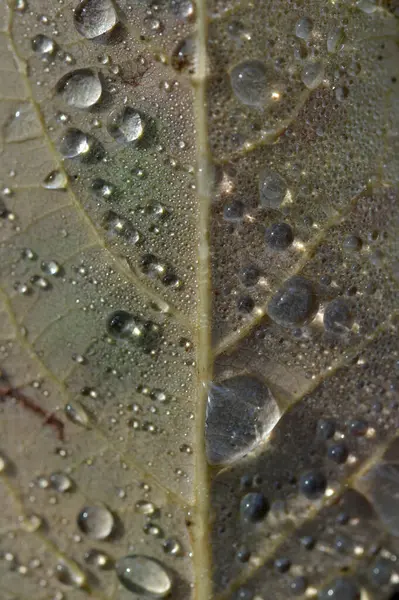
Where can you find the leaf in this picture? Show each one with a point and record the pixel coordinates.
(198, 199)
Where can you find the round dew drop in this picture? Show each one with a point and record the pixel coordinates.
(74, 143)
(312, 74)
(338, 317)
(312, 484)
(250, 83)
(254, 507)
(96, 522)
(279, 236)
(303, 28)
(95, 17)
(80, 89)
(272, 189)
(144, 575)
(126, 125)
(295, 303)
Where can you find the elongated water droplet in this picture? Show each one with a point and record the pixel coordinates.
(81, 88)
(95, 17)
(76, 414)
(312, 74)
(96, 521)
(144, 575)
(241, 411)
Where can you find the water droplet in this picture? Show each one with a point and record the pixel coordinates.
(352, 243)
(51, 267)
(303, 28)
(126, 125)
(80, 89)
(23, 124)
(96, 521)
(76, 414)
(298, 585)
(272, 189)
(325, 429)
(122, 325)
(295, 303)
(312, 74)
(251, 83)
(241, 411)
(70, 574)
(183, 9)
(279, 236)
(3, 464)
(338, 452)
(153, 267)
(367, 6)
(338, 316)
(254, 507)
(144, 575)
(383, 485)
(144, 507)
(103, 189)
(245, 304)
(56, 180)
(249, 275)
(381, 571)
(43, 44)
(152, 529)
(172, 546)
(61, 482)
(233, 211)
(340, 589)
(98, 558)
(183, 56)
(31, 523)
(27, 253)
(95, 17)
(74, 143)
(335, 40)
(119, 226)
(40, 282)
(312, 484)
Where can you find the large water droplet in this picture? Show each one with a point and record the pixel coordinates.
(126, 125)
(81, 88)
(295, 303)
(74, 143)
(272, 189)
(95, 17)
(241, 411)
(250, 82)
(143, 575)
(96, 521)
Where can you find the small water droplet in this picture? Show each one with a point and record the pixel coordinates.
(312, 484)
(56, 180)
(98, 558)
(172, 546)
(74, 143)
(144, 575)
(254, 507)
(80, 89)
(96, 521)
(70, 574)
(61, 482)
(144, 507)
(95, 17)
(273, 189)
(119, 226)
(76, 414)
(303, 28)
(312, 74)
(43, 44)
(122, 325)
(51, 267)
(103, 189)
(31, 523)
(40, 282)
(294, 304)
(126, 125)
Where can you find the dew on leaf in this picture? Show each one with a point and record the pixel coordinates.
(60, 482)
(381, 571)
(123, 325)
(298, 585)
(95, 17)
(312, 74)
(144, 575)
(250, 82)
(172, 546)
(145, 507)
(382, 482)
(335, 39)
(80, 89)
(126, 125)
(22, 125)
(183, 55)
(76, 414)
(273, 189)
(40, 282)
(312, 484)
(352, 243)
(254, 507)
(56, 180)
(97, 558)
(338, 316)
(341, 588)
(338, 452)
(233, 211)
(282, 565)
(51, 267)
(303, 28)
(241, 411)
(96, 521)
(74, 143)
(245, 304)
(103, 189)
(279, 236)
(325, 429)
(43, 44)
(367, 6)
(119, 226)
(295, 303)
(70, 574)
(249, 275)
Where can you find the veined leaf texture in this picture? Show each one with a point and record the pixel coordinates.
(199, 307)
